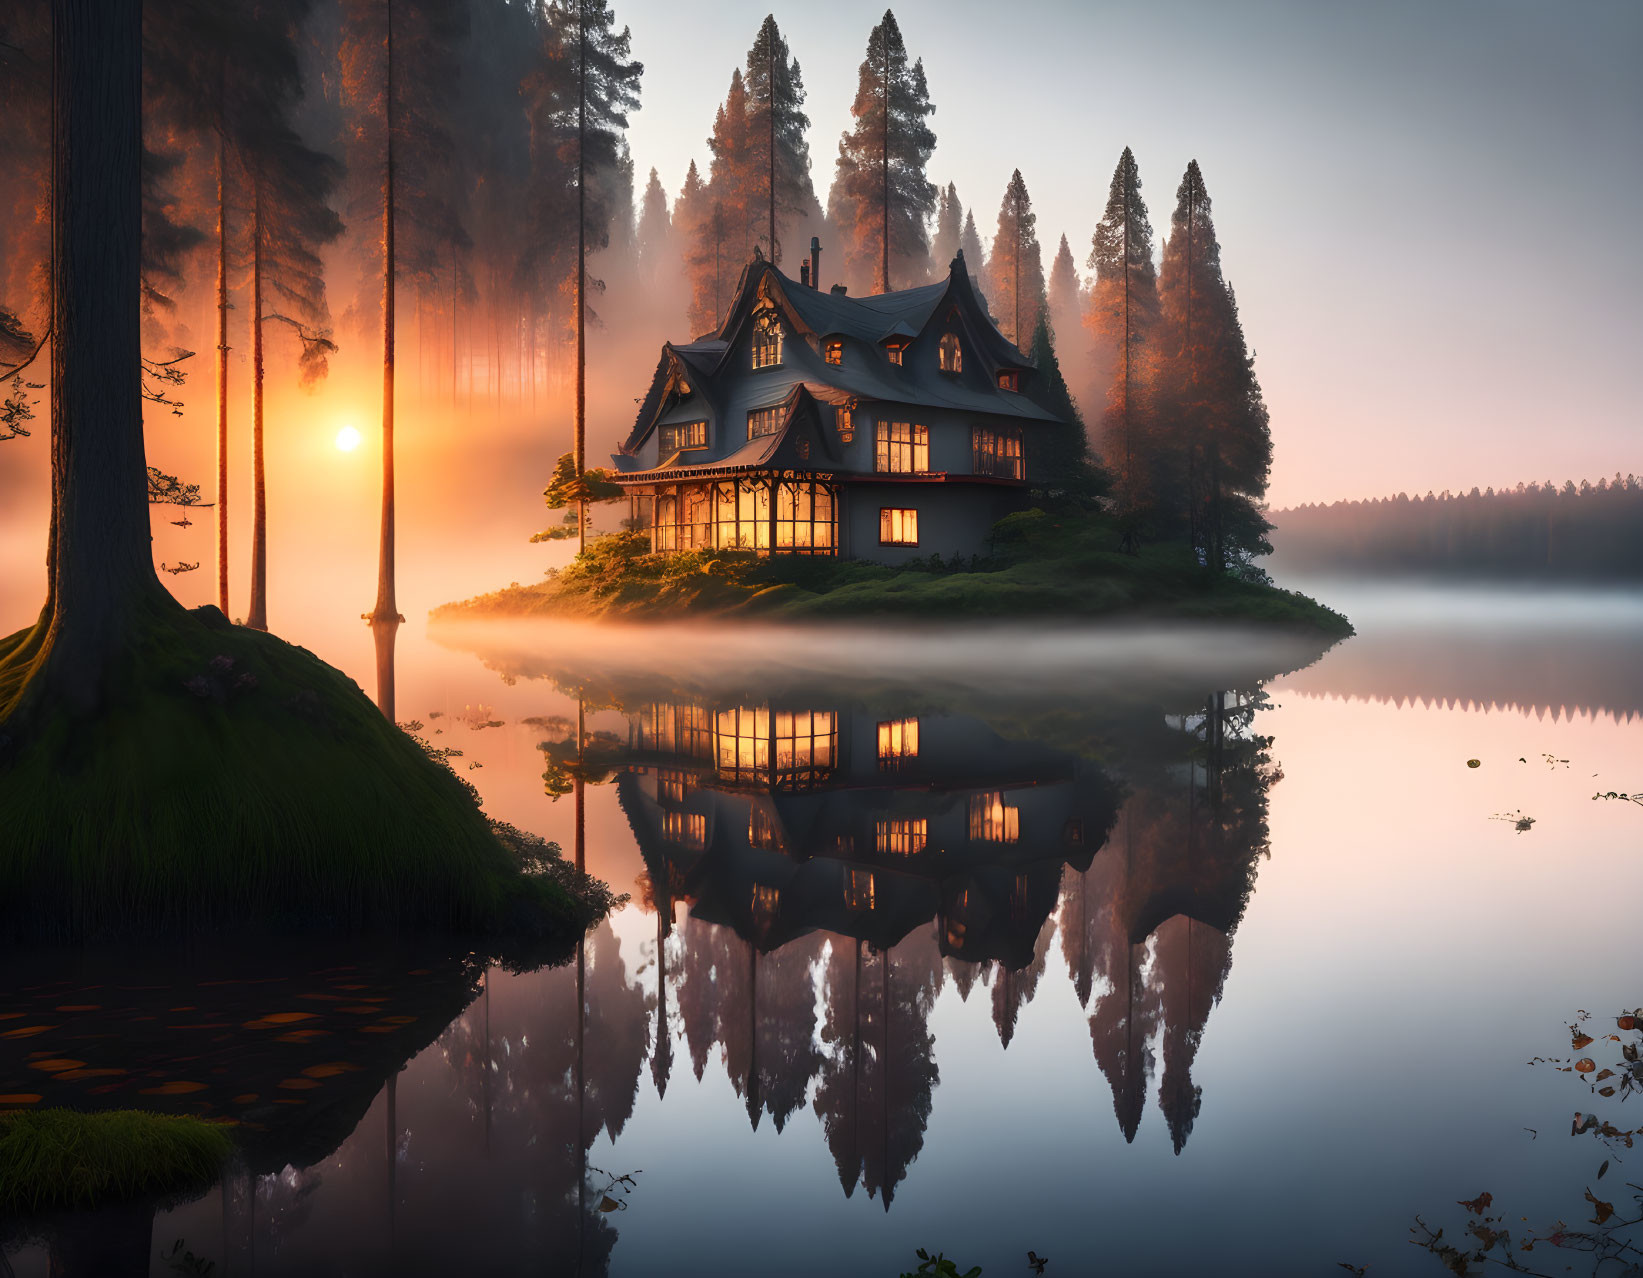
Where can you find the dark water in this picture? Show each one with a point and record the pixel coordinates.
(1153, 953)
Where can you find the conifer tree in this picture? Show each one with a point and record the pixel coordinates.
(1016, 265)
(1066, 300)
(606, 89)
(655, 231)
(777, 152)
(975, 259)
(731, 182)
(1073, 474)
(881, 199)
(1122, 312)
(944, 244)
(1219, 440)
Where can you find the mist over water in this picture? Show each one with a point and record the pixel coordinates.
(1197, 917)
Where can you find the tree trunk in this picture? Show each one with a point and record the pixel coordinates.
(222, 354)
(256, 615)
(100, 563)
(386, 611)
(581, 265)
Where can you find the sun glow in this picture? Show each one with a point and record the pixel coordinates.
(347, 439)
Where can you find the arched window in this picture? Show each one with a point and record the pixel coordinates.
(767, 338)
(952, 354)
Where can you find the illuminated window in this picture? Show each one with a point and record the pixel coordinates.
(741, 515)
(903, 449)
(764, 421)
(898, 527)
(767, 339)
(951, 354)
(806, 744)
(685, 435)
(847, 425)
(742, 743)
(904, 836)
(761, 828)
(833, 351)
(991, 821)
(805, 519)
(671, 787)
(687, 829)
(898, 741)
(895, 354)
(766, 904)
(672, 729)
(998, 452)
(858, 889)
(1009, 379)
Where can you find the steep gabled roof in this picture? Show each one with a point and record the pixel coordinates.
(778, 450)
(897, 318)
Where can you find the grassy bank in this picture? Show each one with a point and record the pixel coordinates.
(58, 1159)
(1041, 566)
(229, 779)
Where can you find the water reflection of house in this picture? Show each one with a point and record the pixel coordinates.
(781, 821)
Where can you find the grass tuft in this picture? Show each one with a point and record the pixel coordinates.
(60, 1158)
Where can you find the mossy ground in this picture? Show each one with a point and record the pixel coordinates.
(230, 778)
(1041, 566)
(59, 1158)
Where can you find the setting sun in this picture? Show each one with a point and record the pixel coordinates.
(347, 439)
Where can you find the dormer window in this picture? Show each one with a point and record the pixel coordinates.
(1009, 379)
(673, 439)
(767, 338)
(951, 354)
(833, 351)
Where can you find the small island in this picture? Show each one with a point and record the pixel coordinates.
(895, 455)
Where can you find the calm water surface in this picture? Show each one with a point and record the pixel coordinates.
(1153, 953)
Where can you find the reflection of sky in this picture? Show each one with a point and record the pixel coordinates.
(1401, 958)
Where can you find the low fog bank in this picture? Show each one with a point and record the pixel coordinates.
(1540, 649)
(1035, 661)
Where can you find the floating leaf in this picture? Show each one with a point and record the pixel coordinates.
(1580, 1041)
(609, 1204)
(1474, 763)
(1603, 1169)
(1585, 1065)
(175, 1088)
(1626, 1022)
(1604, 1210)
(1477, 1206)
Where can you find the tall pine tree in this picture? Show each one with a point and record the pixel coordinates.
(778, 155)
(1219, 441)
(655, 232)
(1121, 315)
(1016, 267)
(975, 259)
(944, 244)
(881, 199)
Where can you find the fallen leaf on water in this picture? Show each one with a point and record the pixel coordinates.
(77, 1074)
(57, 1065)
(1604, 1210)
(1603, 1169)
(329, 1070)
(1580, 1041)
(1477, 1206)
(297, 1084)
(1585, 1065)
(27, 1031)
(20, 1098)
(609, 1204)
(1625, 1022)
(1474, 763)
(281, 1018)
(174, 1088)
(303, 1036)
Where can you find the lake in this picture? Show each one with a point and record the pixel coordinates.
(1149, 952)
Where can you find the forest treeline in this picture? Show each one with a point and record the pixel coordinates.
(270, 132)
(1586, 531)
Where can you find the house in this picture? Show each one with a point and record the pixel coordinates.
(888, 428)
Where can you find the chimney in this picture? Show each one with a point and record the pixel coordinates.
(804, 273)
(839, 290)
(815, 261)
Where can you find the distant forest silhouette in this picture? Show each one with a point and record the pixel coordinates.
(1589, 531)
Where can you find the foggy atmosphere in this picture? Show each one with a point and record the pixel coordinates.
(925, 641)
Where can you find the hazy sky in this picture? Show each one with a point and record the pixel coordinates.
(1429, 209)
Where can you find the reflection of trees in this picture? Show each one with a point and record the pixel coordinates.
(1153, 916)
(878, 1080)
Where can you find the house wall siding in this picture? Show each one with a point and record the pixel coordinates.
(953, 519)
